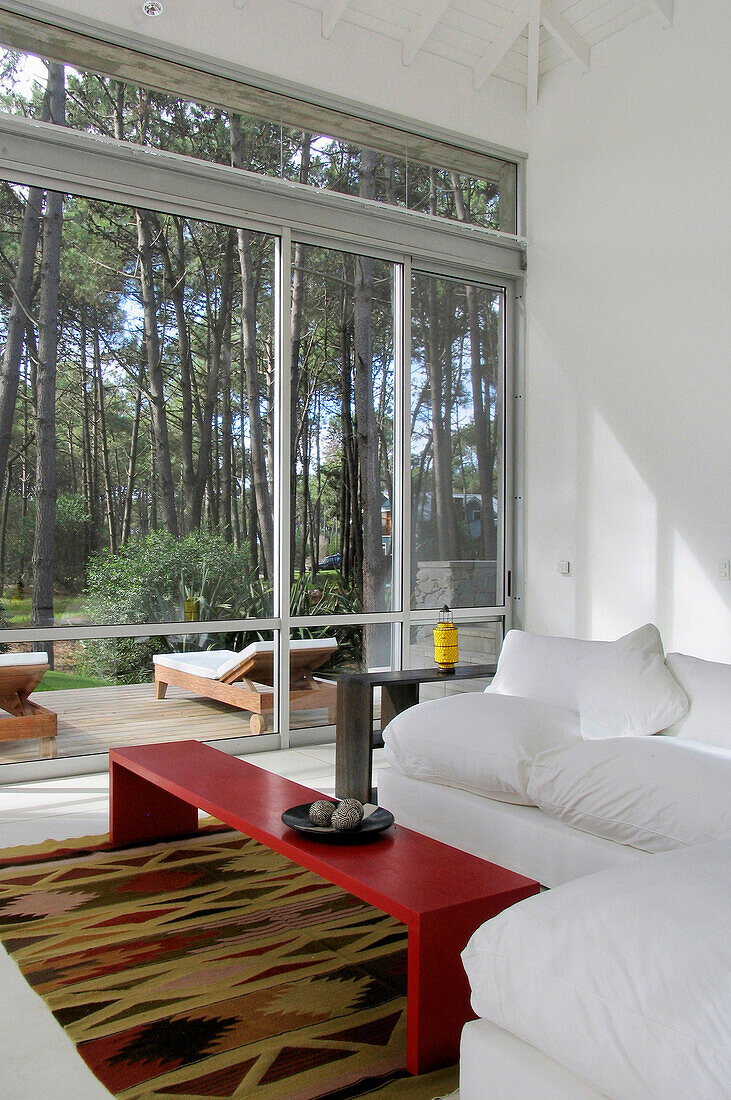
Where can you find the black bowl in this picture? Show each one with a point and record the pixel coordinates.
(298, 817)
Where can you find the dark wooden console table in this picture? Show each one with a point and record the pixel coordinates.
(354, 721)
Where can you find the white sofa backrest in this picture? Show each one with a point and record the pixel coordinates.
(708, 687)
(619, 688)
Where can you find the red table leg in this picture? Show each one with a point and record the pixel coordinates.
(140, 810)
(438, 994)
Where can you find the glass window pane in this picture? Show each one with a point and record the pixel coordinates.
(342, 432)
(456, 443)
(360, 649)
(99, 104)
(448, 194)
(138, 445)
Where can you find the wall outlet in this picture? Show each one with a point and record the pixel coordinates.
(723, 570)
(564, 568)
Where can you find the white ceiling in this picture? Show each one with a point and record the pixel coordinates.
(515, 40)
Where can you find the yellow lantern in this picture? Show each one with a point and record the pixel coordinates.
(445, 641)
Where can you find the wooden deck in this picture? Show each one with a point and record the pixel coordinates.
(96, 719)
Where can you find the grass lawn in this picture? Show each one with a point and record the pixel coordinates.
(63, 681)
(18, 611)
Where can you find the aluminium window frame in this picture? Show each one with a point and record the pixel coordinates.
(35, 153)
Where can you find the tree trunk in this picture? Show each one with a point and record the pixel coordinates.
(442, 505)
(248, 333)
(352, 558)
(4, 525)
(19, 313)
(132, 464)
(108, 487)
(221, 329)
(227, 472)
(89, 480)
(166, 483)
(20, 309)
(484, 444)
(298, 302)
(175, 279)
(367, 429)
(153, 483)
(45, 487)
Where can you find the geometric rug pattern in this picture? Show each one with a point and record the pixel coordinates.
(208, 967)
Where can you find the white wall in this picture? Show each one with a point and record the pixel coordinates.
(629, 389)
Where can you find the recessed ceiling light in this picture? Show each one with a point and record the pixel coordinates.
(152, 8)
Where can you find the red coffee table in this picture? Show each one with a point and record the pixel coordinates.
(440, 893)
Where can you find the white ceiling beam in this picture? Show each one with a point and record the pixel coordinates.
(534, 41)
(423, 27)
(559, 27)
(664, 8)
(488, 63)
(332, 12)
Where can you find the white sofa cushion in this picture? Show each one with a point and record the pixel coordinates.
(708, 687)
(620, 688)
(654, 793)
(621, 976)
(477, 742)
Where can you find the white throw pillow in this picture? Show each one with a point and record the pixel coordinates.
(477, 742)
(620, 689)
(622, 976)
(708, 687)
(654, 793)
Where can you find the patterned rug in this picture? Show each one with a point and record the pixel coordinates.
(211, 967)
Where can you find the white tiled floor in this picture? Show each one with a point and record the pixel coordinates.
(37, 1059)
(59, 809)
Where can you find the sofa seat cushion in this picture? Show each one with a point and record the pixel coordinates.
(622, 976)
(478, 742)
(708, 687)
(620, 688)
(654, 793)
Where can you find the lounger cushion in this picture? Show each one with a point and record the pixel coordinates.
(22, 660)
(214, 664)
(208, 664)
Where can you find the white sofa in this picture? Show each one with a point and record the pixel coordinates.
(614, 983)
(577, 691)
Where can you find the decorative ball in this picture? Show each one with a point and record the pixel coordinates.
(321, 812)
(348, 815)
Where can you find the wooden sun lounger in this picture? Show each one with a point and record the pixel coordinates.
(249, 684)
(27, 720)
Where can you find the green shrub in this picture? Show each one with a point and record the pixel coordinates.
(147, 581)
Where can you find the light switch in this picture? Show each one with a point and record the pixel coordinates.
(564, 568)
(722, 570)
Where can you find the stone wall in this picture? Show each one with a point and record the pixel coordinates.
(457, 583)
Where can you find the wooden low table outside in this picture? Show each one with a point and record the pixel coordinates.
(354, 717)
(440, 893)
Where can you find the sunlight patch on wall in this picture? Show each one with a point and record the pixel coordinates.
(701, 616)
(621, 538)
